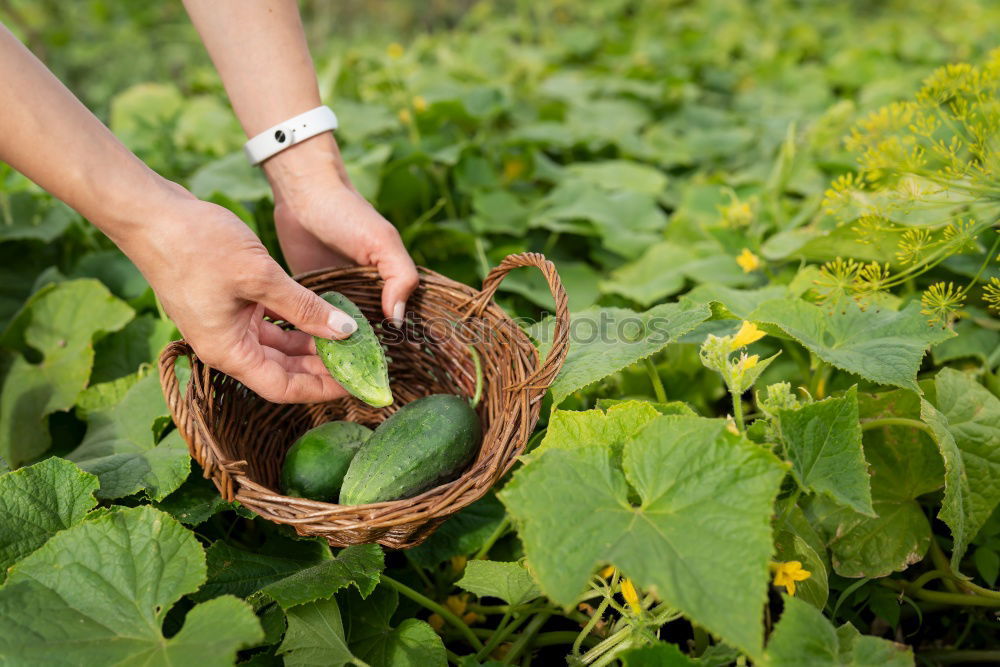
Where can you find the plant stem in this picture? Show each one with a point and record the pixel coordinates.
(947, 657)
(654, 378)
(986, 262)
(492, 539)
(526, 637)
(503, 630)
(596, 616)
(942, 563)
(738, 409)
(956, 599)
(433, 606)
(897, 421)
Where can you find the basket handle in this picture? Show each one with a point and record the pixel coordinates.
(547, 372)
(191, 423)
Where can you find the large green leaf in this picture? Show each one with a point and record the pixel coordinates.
(612, 427)
(97, 593)
(573, 511)
(60, 322)
(803, 636)
(904, 465)
(618, 175)
(823, 441)
(881, 345)
(657, 655)
(664, 268)
(357, 565)
(462, 534)
(240, 572)
(606, 340)
(315, 636)
(37, 502)
(511, 582)
(140, 342)
(965, 419)
(121, 448)
(373, 639)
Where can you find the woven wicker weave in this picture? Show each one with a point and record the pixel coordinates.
(240, 439)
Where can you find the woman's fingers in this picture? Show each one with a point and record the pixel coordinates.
(400, 275)
(279, 378)
(294, 343)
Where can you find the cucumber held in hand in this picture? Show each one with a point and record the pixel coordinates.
(357, 362)
(423, 444)
(315, 465)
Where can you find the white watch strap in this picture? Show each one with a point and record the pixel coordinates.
(294, 130)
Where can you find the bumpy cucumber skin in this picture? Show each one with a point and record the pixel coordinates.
(422, 445)
(357, 362)
(315, 465)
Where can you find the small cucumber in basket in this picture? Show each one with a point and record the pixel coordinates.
(425, 443)
(357, 362)
(315, 465)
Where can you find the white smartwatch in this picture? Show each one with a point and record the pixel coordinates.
(294, 130)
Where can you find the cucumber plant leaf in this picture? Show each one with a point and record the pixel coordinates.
(823, 442)
(140, 342)
(965, 419)
(612, 426)
(37, 502)
(56, 598)
(606, 340)
(240, 572)
(462, 534)
(665, 267)
(372, 638)
(59, 322)
(803, 636)
(904, 465)
(358, 565)
(121, 446)
(194, 502)
(661, 654)
(573, 511)
(511, 582)
(880, 345)
(315, 636)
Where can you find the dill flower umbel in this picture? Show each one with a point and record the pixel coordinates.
(991, 294)
(941, 302)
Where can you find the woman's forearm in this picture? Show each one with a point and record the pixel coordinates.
(50, 137)
(260, 51)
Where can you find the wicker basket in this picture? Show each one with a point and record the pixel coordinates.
(240, 439)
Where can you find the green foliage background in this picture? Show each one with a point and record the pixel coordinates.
(644, 147)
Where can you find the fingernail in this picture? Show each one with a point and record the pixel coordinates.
(397, 313)
(342, 323)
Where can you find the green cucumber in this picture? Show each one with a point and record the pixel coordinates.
(315, 465)
(422, 445)
(357, 362)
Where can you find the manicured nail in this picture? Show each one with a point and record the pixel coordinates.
(342, 323)
(397, 314)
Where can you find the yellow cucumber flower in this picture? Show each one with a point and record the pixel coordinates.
(748, 333)
(606, 572)
(419, 104)
(786, 574)
(395, 50)
(631, 596)
(748, 261)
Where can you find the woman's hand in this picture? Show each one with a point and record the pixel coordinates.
(216, 281)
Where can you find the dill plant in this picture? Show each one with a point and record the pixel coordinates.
(928, 178)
